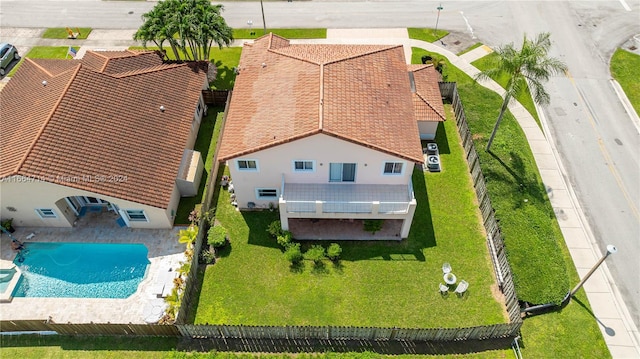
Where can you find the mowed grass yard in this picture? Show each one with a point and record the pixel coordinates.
(376, 283)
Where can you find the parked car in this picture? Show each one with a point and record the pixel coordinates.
(8, 53)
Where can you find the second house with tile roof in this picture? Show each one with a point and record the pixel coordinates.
(329, 131)
(111, 133)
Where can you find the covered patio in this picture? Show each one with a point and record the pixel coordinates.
(342, 229)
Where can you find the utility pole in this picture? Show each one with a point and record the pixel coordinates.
(264, 24)
(435, 31)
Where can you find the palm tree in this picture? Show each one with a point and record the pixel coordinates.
(530, 65)
(189, 26)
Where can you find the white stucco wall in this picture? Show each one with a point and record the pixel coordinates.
(26, 195)
(427, 130)
(322, 149)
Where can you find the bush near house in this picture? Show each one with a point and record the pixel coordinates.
(217, 236)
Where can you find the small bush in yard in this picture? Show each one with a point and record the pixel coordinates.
(315, 253)
(274, 229)
(334, 251)
(217, 236)
(293, 253)
(284, 239)
(207, 257)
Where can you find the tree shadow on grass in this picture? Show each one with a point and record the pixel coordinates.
(518, 178)
(225, 78)
(258, 221)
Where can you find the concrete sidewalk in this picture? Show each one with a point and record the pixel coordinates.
(609, 310)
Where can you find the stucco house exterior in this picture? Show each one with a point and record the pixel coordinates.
(112, 132)
(328, 131)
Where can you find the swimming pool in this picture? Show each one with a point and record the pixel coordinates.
(81, 270)
(5, 278)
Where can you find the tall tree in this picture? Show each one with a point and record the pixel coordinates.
(530, 65)
(190, 27)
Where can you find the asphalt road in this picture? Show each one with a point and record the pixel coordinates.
(597, 140)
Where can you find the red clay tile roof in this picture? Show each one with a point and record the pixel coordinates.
(359, 93)
(427, 99)
(90, 123)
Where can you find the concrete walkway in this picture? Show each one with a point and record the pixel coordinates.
(609, 310)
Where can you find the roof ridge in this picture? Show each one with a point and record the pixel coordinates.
(442, 115)
(276, 51)
(48, 119)
(147, 70)
(321, 102)
(418, 67)
(350, 57)
(40, 67)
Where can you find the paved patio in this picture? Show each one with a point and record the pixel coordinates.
(144, 306)
(342, 229)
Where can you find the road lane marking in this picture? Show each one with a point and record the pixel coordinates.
(605, 153)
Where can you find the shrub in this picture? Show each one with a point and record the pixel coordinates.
(274, 229)
(207, 257)
(315, 253)
(217, 236)
(293, 253)
(284, 239)
(334, 251)
(372, 225)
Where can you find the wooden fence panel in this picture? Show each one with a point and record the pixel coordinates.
(449, 90)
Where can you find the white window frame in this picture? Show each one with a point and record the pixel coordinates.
(129, 212)
(342, 180)
(312, 169)
(394, 163)
(51, 213)
(258, 196)
(247, 169)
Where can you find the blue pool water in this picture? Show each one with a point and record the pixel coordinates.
(81, 270)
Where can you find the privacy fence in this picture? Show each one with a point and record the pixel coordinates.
(495, 242)
(180, 328)
(190, 290)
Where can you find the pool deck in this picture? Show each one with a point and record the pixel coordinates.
(145, 306)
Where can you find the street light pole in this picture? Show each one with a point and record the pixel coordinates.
(264, 24)
(610, 250)
(435, 31)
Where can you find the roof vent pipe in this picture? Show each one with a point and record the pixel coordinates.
(161, 108)
(44, 83)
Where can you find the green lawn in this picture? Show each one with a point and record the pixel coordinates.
(44, 52)
(258, 31)
(61, 33)
(376, 283)
(428, 35)
(206, 145)
(524, 97)
(72, 347)
(625, 68)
